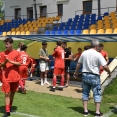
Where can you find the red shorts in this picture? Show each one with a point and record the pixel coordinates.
(8, 87)
(23, 71)
(59, 71)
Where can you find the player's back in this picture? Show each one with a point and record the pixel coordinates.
(59, 58)
(24, 58)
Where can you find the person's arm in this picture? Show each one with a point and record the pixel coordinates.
(3, 63)
(107, 58)
(70, 56)
(42, 57)
(106, 68)
(76, 70)
(13, 62)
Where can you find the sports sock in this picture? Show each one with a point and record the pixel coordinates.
(21, 84)
(7, 108)
(62, 81)
(54, 81)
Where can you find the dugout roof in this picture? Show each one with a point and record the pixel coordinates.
(68, 38)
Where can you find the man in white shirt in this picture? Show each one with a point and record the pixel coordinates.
(91, 61)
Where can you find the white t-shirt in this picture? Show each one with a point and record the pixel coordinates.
(91, 61)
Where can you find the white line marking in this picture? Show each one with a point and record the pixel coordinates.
(110, 112)
(24, 114)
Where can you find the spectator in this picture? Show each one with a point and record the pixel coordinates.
(43, 54)
(91, 77)
(77, 55)
(104, 54)
(70, 49)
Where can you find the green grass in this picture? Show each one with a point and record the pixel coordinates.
(15, 44)
(46, 105)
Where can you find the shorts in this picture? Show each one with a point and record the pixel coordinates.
(23, 71)
(59, 71)
(67, 68)
(44, 67)
(8, 87)
(90, 81)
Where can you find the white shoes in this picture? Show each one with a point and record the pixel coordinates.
(42, 83)
(46, 82)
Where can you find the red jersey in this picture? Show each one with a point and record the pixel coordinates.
(59, 54)
(25, 60)
(0, 69)
(104, 54)
(78, 55)
(10, 71)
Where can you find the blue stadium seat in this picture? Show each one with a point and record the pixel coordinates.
(106, 14)
(99, 18)
(68, 24)
(55, 28)
(70, 20)
(71, 32)
(0, 33)
(53, 32)
(61, 27)
(59, 32)
(62, 24)
(78, 32)
(47, 32)
(67, 27)
(76, 18)
(65, 32)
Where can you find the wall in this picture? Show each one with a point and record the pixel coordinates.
(33, 49)
(69, 7)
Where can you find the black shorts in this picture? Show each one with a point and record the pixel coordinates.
(67, 68)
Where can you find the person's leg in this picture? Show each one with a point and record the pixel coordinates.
(62, 80)
(67, 79)
(11, 99)
(21, 84)
(46, 74)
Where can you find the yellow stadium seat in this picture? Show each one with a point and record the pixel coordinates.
(114, 25)
(107, 26)
(22, 29)
(57, 18)
(107, 22)
(29, 22)
(31, 29)
(29, 25)
(114, 21)
(112, 13)
(17, 29)
(100, 31)
(115, 31)
(22, 32)
(9, 33)
(53, 18)
(18, 33)
(26, 29)
(39, 25)
(93, 31)
(100, 26)
(48, 18)
(13, 33)
(113, 17)
(4, 34)
(35, 29)
(13, 29)
(37, 22)
(43, 25)
(106, 17)
(85, 31)
(34, 25)
(27, 32)
(21, 25)
(93, 26)
(25, 25)
(50, 21)
(108, 31)
(99, 22)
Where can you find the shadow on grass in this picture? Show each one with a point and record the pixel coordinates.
(2, 109)
(114, 110)
(78, 90)
(81, 110)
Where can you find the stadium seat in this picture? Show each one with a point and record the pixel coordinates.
(27, 33)
(93, 31)
(71, 32)
(115, 31)
(22, 32)
(114, 21)
(13, 33)
(53, 32)
(108, 31)
(4, 34)
(85, 32)
(78, 32)
(106, 18)
(93, 26)
(100, 31)
(18, 33)
(114, 25)
(9, 33)
(47, 32)
(59, 32)
(107, 26)
(106, 14)
(100, 26)
(107, 22)
(99, 22)
(65, 32)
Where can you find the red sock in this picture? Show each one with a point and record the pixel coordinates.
(11, 101)
(32, 70)
(7, 108)
(21, 84)
(54, 81)
(62, 81)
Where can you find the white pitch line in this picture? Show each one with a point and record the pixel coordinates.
(110, 112)
(24, 114)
